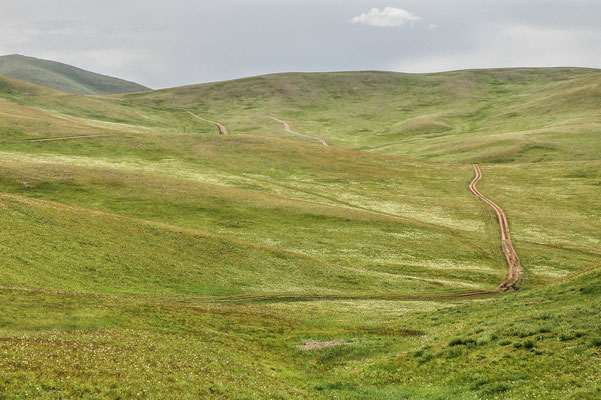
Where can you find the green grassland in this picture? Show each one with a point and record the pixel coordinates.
(484, 116)
(159, 259)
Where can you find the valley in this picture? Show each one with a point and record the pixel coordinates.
(185, 242)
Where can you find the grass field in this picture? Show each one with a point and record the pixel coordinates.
(156, 258)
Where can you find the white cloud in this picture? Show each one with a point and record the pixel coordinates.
(388, 17)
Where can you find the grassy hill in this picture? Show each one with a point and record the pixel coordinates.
(146, 255)
(498, 115)
(63, 77)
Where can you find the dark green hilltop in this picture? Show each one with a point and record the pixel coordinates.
(63, 77)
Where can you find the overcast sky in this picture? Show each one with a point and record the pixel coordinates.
(162, 43)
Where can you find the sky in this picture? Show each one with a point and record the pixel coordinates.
(162, 43)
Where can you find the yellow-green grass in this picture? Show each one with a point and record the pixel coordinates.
(29, 111)
(163, 260)
(79, 250)
(555, 213)
(487, 115)
(356, 236)
(391, 216)
(541, 343)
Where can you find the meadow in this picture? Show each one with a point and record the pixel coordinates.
(156, 258)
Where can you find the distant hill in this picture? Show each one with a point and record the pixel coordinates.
(64, 77)
(493, 115)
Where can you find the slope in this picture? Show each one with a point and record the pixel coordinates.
(63, 77)
(475, 116)
(161, 259)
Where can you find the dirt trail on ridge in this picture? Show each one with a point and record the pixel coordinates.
(289, 130)
(513, 262)
(222, 128)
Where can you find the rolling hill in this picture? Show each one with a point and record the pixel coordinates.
(146, 253)
(475, 116)
(63, 77)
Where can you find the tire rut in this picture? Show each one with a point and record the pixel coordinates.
(289, 130)
(64, 138)
(513, 262)
(222, 129)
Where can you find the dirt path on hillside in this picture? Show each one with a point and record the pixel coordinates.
(513, 262)
(289, 130)
(64, 138)
(222, 128)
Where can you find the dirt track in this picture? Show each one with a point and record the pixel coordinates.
(289, 130)
(222, 128)
(64, 138)
(513, 262)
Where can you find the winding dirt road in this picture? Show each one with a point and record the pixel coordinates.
(513, 262)
(289, 130)
(222, 128)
